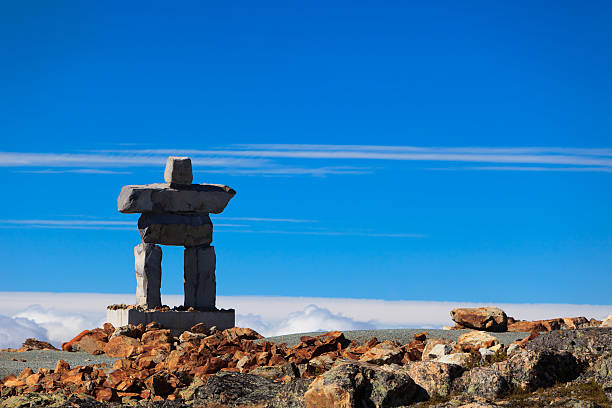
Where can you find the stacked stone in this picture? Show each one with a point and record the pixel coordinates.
(176, 213)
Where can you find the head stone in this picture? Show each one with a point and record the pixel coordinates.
(178, 171)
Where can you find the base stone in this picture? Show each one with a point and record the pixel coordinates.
(172, 319)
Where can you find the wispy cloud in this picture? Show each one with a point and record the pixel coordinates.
(284, 160)
(528, 168)
(329, 233)
(76, 171)
(291, 220)
(84, 224)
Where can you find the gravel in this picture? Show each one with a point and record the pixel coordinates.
(14, 362)
(401, 336)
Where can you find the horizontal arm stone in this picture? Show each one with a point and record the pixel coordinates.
(161, 198)
(175, 229)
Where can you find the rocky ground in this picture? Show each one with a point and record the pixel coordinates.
(203, 367)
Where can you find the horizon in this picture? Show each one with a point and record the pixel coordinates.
(457, 153)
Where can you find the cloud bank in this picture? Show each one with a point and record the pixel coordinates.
(57, 317)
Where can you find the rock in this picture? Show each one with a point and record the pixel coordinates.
(584, 344)
(175, 229)
(530, 370)
(433, 378)
(161, 198)
(436, 350)
(157, 337)
(607, 322)
(226, 389)
(527, 327)
(482, 382)
(356, 384)
(200, 328)
(460, 359)
(288, 370)
(481, 318)
(386, 352)
(90, 341)
(513, 349)
(475, 340)
(148, 258)
(129, 330)
(33, 344)
(200, 281)
(189, 337)
(486, 354)
(178, 171)
(121, 346)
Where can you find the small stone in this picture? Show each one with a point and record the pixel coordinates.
(607, 322)
(178, 171)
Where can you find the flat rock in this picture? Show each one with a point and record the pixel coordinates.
(162, 198)
(481, 318)
(175, 229)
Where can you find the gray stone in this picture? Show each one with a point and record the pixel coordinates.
(175, 229)
(200, 282)
(161, 198)
(147, 263)
(178, 171)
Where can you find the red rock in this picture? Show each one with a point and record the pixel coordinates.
(68, 345)
(481, 318)
(214, 364)
(108, 328)
(25, 373)
(240, 334)
(105, 394)
(33, 379)
(91, 341)
(157, 337)
(33, 344)
(62, 367)
(121, 347)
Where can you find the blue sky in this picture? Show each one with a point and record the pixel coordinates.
(404, 151)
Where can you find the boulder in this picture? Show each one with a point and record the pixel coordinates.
(530, 370)
(474, 341)
(584, 344)
(386, 352)
(482, 382)
(162, 198)
(607, 322)
(227, 389)
(175, 229)
(34, 344)
(432, 378)
(178, 171)
(90, 341)
(460, 359)
(121, 346)
(356, 384)
(481, 318)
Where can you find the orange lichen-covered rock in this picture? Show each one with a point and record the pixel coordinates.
(121, 347)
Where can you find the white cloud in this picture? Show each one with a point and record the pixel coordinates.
(13, 331)
(55, 316)
(60, 326)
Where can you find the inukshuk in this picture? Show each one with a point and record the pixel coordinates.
(176, 213)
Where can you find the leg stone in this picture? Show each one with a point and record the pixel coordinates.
(200, 282)
(148, 259)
